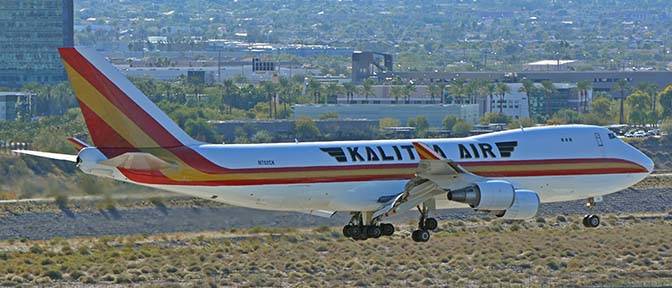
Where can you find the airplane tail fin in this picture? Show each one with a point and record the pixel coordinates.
(117, 114)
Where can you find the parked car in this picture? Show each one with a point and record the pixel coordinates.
(639, 134)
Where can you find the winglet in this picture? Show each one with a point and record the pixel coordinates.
(425, 152)
(77, 143)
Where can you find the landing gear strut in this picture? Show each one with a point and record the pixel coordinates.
(424, 226)
(357, 230)
(592, 220)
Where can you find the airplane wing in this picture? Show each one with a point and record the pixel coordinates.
(435, 175)
(49, 155)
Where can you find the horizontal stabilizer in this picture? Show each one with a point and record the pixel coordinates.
(137, 161)
(77, 143)
(49, 155)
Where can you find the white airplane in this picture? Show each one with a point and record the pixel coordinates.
(507, 173)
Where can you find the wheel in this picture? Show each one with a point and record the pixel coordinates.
(585, 221)
(593, 221)
(362, 236)
(414, 235)
(420, 235)
(373, 231)
(431, 224)
(346, 231)
(423, 235)
(388, 229)
(355, 231)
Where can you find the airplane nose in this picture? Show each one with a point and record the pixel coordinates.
(647, 163)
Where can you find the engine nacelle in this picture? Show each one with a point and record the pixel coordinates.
(525, 206)
(488, 195)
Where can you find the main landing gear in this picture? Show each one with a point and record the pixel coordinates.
(424, 226)
(358, 231)
(592, 220)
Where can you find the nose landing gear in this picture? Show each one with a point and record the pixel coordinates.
(592, 220)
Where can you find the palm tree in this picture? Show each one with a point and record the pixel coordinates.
(332, 90)
(548, 89)
(433, 91)
(268, 88)
(408, 90)
(442, 89)
(529, 88)
(367, 88)
(316, 89)
(622, 86)
(583, 86)
(651, 90)
(457, 89)
(488, 88)
(349, 89)
(229, 90)
(396, 92)
(501, 90)
(472, 90)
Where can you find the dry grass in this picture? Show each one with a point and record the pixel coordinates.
(533, 253)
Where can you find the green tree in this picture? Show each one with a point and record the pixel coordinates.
(409, 88)
(652, 91)
(306, 130)
(421, 126)
(449, 121)
(564, 116)
(638, 104)
(493, 117)
(333, 89)
(396, 92)
(528, 88)
(621, 85)
(240, 136)
(501, 89)
(328, 115)
(367, 89)
(666, 127)
(389, 122)
(583, 86)
(461, 129)
(547, 88)
(665, 99)
(201, 130)
(457, 90)
(262, 136)
(350, 90)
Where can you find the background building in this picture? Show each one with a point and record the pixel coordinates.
(12, 103)
(30, 34)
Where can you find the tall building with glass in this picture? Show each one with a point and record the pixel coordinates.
(31, 31)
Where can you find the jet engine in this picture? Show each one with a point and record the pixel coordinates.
(525, 206)
(500, 196)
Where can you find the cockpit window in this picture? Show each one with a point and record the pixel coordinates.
(612, 136)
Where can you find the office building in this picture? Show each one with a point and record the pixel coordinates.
(30, 34)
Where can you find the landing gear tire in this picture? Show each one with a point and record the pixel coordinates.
(355, 231)
(373, 231)
(420, 236)
(591, 221)
(387, 229)
(430, 224)
(346, 231)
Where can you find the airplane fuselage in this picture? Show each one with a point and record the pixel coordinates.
(559, 163)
